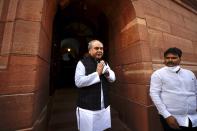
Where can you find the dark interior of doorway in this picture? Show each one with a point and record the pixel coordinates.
(73, 27)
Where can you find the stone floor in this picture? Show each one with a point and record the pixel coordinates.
(63, 116)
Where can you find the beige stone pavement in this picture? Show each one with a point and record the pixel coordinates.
(63, 116)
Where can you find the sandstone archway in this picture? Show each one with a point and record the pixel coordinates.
(136, 33)
(129, 55)
(25, 59)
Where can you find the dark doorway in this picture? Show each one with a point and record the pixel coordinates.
(74, 26)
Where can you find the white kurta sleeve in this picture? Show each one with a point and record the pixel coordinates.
(196, 91)
(196, 86)
(81, 80)
(111, 77)
(155, 93)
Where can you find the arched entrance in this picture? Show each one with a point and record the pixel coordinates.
(74, 26)
(124, 31)
(36, 36)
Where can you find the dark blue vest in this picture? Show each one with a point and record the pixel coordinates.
(90, 97)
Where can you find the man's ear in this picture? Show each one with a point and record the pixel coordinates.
(180, 60)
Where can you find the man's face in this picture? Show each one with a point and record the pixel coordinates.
(96, 51)
(172, 60)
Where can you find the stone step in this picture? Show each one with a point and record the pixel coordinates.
(118, 125)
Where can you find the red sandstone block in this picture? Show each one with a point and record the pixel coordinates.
(139, 9)
(174, 41)
(7, 38)
(130, 54)
(22, 110)
(133, 53)
(137, 93)
(157, 23)
(26, 37)
(49, 10)
(41, 99)
(136, 116)
(194, 18)
(116, 42)
(3, 78)
(129, 36)
(171, 16)
(151, 8)
(143, 32)
(183, 32)
(145, 51)
(155, 38)
(20, 76)
(153, 119)
(2, 27)
(179, 9)
(16, 111)
(191, 25)
(140, 75)
(118, 7)
(1, 8)
(189, 58)
(123, 4)
(195, 47)
(118, 23)
(43, 121)
(157, 54)
(165, 3)
(127, 15)
(12, 10)
(119, 70)
(44, 48)
(23, 60)
(121, 13)
(4, 10)
(30, 10)
(3, 62)
(42, 76)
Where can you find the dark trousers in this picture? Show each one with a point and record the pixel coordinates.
(166, 127)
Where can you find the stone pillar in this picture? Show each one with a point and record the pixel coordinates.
(25, 44)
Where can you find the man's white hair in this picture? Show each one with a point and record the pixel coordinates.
(91, 42)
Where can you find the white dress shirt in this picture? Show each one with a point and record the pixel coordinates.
(175, 93)
(92, 120)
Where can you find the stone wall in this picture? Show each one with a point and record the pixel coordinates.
(25, 45)
(139, 32)
(170, 24)
(131, 59)
(144, 29)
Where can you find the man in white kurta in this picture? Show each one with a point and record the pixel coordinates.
(174, 92)
(87, 119)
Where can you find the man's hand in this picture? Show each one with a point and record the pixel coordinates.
(172, 122)
(99, 68)
(106, 74)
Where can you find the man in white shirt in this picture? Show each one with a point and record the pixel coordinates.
(174, 92)
(92, 76)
